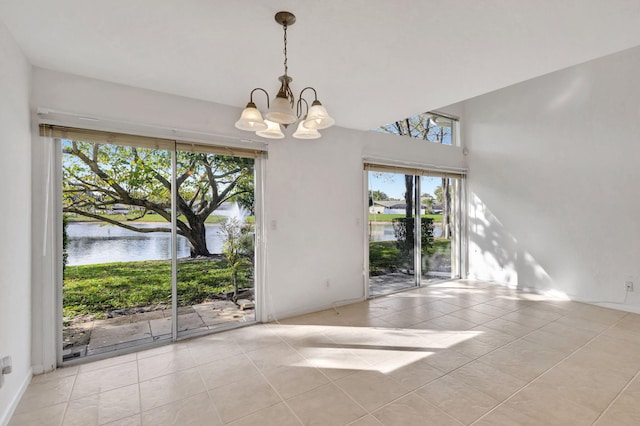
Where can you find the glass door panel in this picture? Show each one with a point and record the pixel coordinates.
(439, 259)
(116, 247)
(391, 232)
(215, 225)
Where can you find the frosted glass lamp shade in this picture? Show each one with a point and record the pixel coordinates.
(281, 111)
(304, 133)
(273, 131)
(318, 117)
(251, 119)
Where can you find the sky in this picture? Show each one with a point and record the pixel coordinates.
(393, 184)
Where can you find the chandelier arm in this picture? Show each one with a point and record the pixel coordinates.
(264, 91)
(315, 94)
(299, 107)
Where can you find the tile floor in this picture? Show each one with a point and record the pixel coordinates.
(451, 354)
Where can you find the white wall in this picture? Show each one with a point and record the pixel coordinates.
(15, 224)
(314, 196)
(554, 173)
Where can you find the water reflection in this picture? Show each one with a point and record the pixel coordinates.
(384, 232)
(97, 243)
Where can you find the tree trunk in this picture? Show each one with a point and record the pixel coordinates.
(198, 239)
(446, 209)
(408, 195)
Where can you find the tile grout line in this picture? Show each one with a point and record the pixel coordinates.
(546, 371)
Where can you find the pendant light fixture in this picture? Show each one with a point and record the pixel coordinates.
(281, 110)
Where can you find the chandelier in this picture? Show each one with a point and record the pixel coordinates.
(281, 110)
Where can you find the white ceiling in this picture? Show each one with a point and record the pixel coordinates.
(372, 61)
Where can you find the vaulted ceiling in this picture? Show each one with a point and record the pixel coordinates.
(372, 61)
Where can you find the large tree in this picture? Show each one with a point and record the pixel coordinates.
(98, 178)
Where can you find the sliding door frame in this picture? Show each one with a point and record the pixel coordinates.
(55, 189)
(459, 247)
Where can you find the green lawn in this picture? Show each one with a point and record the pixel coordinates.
(389, 217)
(97, 289)
(385, 257)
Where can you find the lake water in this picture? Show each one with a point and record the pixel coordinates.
(384, 232)
(96, 243)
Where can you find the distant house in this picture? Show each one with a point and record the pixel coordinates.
(391, 207)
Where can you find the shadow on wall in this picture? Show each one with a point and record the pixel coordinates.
(495, 254)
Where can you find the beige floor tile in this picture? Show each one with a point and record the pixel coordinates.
(447, 360)
(134, 420)
(254, 337)
(118, 403)
(446, 322)
(292, 381)
(44, 394)
(488, 379)
(59, 373)
(334, 362)
(172, 387)
(166, 363)
(368, 420)
(457, 399)
(276, 355)
(82, 412)
(413, 410)
(371, 389)
(509, 327)
(276, 415)
(243, 397)
(473, 316)
(625, 410)
(226, 371)
(51, 415)
(447, 368)
(311, 407)
(525, 318)
(413, 375)
(204, 351)
(565, 344)
(551, 407)
(507, 416)
(105, 379)
(195, 410)
(523, 359)
(491, 310)
(585, 385)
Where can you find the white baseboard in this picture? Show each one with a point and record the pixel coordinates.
(6, 416)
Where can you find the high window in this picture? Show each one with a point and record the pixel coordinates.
(428, 126)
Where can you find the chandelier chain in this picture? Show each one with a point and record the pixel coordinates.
(286, 68)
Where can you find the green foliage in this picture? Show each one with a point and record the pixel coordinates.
(378, 195)
(97, 289)
(237, 248)
(403, 229)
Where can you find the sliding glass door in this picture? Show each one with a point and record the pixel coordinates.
(215, 265)
(414, 230)
(158, 241)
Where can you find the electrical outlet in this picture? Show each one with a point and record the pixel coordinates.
(5, 365)
(628, 285)
(5, 368)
